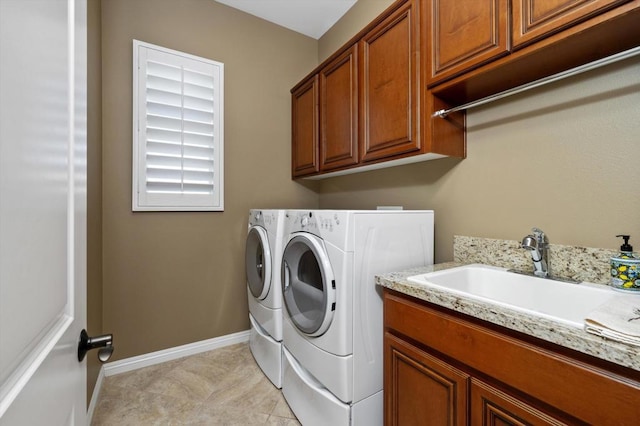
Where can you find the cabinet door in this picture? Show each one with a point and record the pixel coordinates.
(492, 407)
(339, 112)
(389, 88)
(533, 19)
(304, 123)
(420, 389)
(464, 34)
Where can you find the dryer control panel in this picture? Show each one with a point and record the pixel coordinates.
(264, 218)
(330, 225)
(315, 221)
(306, 221)
(330, 222)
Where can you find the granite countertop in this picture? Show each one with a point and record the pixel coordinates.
(546, 329)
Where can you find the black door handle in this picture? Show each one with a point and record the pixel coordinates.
(104, 342)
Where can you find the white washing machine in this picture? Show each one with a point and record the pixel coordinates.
(263, 256)
(332, 328)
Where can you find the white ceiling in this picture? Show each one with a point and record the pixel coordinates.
(309, 17)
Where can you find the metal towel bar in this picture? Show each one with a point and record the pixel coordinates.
(541, 82)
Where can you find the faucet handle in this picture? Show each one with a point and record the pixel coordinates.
(539, 235)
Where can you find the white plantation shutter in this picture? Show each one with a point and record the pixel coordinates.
(178, 135)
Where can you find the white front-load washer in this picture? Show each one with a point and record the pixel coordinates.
(332, 328)
(263, 255)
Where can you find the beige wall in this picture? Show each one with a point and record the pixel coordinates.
(349, 25)
(558, 158)
(176, 278)
(562, 158)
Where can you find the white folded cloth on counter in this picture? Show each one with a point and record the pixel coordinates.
(618, 319)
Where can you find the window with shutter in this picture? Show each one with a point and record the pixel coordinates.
(177, 131)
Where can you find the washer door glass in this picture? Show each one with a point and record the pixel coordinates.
(257, 262)
(308, 285)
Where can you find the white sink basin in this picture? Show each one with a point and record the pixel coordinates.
(565, 302)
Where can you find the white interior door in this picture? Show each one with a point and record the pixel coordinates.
(42, 211)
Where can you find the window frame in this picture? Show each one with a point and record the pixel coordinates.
(142, 198)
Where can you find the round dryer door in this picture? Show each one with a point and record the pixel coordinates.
(257, 262)
(308, 284)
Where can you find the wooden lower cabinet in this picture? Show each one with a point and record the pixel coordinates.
(444, 368)
(420, 389)
(424, 390)
(492, 407)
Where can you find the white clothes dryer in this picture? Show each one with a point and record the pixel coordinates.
(263, 255)
(332, 328)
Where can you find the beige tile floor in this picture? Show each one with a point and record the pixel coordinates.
(220, 387)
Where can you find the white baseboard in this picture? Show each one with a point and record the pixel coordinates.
(152, 358)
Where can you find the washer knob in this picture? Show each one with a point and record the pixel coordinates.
(305, 221)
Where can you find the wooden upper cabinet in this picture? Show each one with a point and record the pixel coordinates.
(339, 112)
(534, 19)
(389, 89)
(464, 34)
(367, 105)
(304, 122)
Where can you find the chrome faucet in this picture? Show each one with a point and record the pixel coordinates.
(537, 245)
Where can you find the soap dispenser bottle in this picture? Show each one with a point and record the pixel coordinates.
(625, 268)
